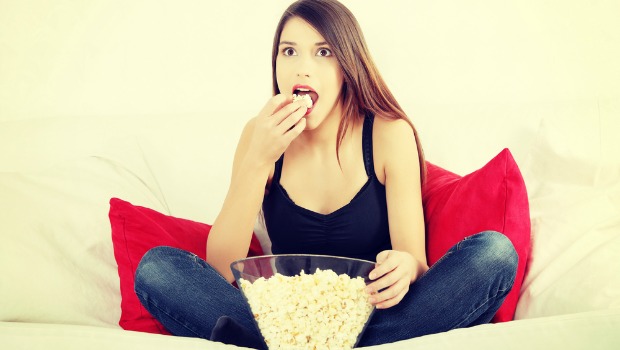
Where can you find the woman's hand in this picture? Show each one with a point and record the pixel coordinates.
(275, 127)
(394, 272)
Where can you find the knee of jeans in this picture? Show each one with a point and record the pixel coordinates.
(150, 269)
(498, 253)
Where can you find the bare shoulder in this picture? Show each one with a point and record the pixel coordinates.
(392, 131)
(393, 136)
(394, 145)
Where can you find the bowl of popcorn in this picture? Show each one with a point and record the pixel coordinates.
(306, 301)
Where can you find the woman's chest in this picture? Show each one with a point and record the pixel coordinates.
(322, 188)
(357, 229)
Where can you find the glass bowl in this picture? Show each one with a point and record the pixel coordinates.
(300, 298)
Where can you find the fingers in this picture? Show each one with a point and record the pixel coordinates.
(277, 125)
(388, 290)
(274, 104)
(384, 265)
(382, 256)
(283, 113)
(289, 116)
(390, 296)
(296, 130)
(279, 107)
(391, 280)
(384, 282)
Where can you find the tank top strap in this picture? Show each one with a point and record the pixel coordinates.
(277, 172)
(369, 163)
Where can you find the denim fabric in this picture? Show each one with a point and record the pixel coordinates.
(186, 294)
(464, 288)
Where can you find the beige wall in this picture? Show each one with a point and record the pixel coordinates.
(102, 57)
(479, 72)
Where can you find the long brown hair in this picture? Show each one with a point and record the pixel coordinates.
(364, 91)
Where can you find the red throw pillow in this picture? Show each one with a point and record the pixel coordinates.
(135, 230)
(493, 197)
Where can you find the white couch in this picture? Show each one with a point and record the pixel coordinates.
(84, 118)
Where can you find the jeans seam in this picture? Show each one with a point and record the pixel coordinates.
(509, 288)
(450, 251)
(460, 324)
(443, 257)
(205, 265)
(147, 300)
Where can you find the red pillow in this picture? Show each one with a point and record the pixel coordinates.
(493, 197)
(135, 230)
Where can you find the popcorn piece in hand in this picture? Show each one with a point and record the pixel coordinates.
(305, 98)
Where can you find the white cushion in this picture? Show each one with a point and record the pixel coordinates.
(56, 257)
(574, 186)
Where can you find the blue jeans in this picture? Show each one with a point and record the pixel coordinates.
(463, 289)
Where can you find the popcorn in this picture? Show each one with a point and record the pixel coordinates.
(323, 310)
(303, 97)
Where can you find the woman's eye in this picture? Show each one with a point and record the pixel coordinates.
(324, 52)
(289, 51)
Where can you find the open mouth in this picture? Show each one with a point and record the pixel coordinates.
(305, 92)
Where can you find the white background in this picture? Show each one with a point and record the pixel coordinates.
(479, 66)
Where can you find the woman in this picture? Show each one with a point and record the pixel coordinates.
(342, 177)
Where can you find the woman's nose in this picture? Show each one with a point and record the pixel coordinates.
(304, 67)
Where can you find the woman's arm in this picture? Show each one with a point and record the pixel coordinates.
(396, 148)
(262, 141)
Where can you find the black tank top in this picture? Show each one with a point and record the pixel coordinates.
(357, 230)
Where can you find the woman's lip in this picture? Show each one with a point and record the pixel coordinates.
(299, 86)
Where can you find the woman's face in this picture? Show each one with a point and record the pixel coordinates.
(305, 65)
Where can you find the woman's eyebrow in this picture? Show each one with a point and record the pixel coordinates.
(292, 43)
